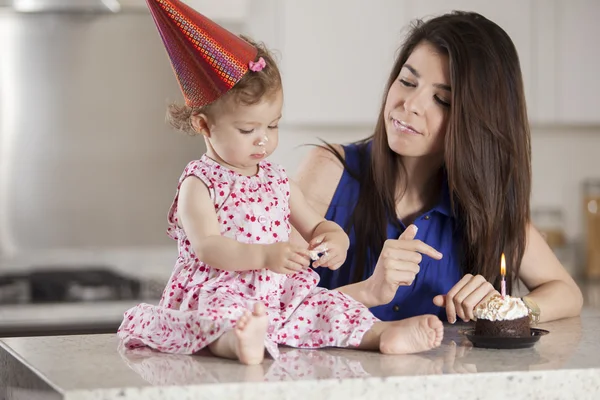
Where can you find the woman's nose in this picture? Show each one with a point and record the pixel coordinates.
(414, 103)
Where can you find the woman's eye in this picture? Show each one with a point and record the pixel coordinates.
(274, 127)
(246, 132)
(441, 102)
(406, 83)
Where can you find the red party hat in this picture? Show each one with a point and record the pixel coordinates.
(208, 60)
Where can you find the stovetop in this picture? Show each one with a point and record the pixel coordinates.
(69, 285)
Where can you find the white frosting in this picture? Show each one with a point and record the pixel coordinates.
(499, 309)
(314, 254)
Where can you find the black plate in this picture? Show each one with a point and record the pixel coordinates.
(496, 342)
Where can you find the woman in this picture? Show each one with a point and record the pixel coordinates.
(450, 155)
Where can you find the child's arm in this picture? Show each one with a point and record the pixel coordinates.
(320, 233)
(198, 219)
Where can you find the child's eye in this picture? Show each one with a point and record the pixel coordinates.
(246, 132)
(274, 127)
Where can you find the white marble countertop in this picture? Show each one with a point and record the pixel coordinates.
(563, 364)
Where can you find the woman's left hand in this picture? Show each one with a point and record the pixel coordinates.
(462, 299)
(333, 247)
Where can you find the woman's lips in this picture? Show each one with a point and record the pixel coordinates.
(404, 127)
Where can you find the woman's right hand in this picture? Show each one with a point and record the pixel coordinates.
(285, 258)
(398, 265)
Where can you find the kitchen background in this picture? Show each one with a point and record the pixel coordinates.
(88, 167)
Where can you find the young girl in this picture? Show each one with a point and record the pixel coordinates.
(232, 215)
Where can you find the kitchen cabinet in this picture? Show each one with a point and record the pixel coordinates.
(569, 54)
(336, 55)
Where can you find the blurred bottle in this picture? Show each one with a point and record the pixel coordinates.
(591, 209)
(550, 222)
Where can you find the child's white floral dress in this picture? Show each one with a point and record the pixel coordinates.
(200, 303)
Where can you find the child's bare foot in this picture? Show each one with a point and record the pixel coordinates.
(412, 335)
(250, 334)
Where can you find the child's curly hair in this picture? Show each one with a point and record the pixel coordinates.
(251, 89)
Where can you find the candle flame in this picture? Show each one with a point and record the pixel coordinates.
(503, 265)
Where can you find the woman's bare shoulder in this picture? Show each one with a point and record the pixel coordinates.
(319, 175)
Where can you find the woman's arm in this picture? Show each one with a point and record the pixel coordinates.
(399, 260)
(551, 287)
(324, 236)
(317, 178)
(305, 220)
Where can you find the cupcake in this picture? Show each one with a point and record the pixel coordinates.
(502, 317)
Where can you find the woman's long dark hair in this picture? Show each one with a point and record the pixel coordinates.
(487, 149)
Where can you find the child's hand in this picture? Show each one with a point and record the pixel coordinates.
(333, 247)
(284, 258)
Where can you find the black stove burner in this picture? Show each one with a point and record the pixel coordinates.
(68, 285)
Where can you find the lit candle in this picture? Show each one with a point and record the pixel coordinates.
(503, 275)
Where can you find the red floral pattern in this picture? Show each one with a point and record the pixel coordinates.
(200, 303)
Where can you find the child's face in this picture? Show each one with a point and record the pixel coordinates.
(241, 136)
(417, 105)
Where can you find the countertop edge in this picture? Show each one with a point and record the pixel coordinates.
(10, 352)
(582, 384)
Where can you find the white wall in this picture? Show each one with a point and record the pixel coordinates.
(562, 158)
